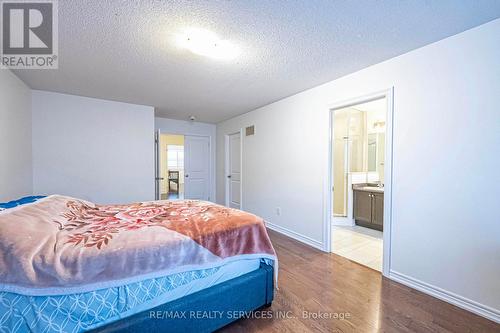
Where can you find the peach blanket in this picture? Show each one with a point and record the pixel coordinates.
(62, 245)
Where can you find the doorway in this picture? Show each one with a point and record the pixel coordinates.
(182, 168)
(172, 166)
(359, 215)
(233, 170)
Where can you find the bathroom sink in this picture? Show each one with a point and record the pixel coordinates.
(372, 188)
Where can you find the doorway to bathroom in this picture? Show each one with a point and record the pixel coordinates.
(361, 155)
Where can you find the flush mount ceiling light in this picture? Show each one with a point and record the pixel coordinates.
(207, 43)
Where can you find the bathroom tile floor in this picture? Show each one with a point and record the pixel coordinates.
(358, 244)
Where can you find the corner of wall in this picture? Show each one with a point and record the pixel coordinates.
(16, 176)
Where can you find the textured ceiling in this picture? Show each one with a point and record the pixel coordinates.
(124, 50)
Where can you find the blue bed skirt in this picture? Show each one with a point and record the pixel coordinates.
(206, 310)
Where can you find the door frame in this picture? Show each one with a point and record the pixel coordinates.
(226, 167)
(388, 94)
(211, 167)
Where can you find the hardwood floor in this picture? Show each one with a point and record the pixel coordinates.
(319, 283)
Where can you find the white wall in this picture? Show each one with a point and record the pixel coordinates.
(15, 137)
(446, 230)
(172, 126)
(93, 149)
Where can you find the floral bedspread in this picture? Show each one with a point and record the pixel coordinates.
(61, 245)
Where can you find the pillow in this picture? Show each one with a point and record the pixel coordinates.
(19, 202)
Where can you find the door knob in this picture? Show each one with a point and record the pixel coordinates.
(229, 176)
(186, 175)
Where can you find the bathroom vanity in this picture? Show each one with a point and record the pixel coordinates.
(369, 206)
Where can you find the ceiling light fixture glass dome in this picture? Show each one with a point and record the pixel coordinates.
(206, 43)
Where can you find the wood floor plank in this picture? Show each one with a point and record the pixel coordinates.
(313, 282)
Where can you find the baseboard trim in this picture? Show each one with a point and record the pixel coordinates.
(461, 302)
(295, 235)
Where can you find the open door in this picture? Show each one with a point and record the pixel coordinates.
(197, 167)
(233, 169)
(158, 177)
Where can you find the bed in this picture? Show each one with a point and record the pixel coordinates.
(68, 265)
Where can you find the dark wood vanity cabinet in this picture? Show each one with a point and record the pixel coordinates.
(369, 209)
(362, 206)
(378, 210)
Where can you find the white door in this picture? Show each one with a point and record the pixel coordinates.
(197, 167)
(158, 178)
(233, 170)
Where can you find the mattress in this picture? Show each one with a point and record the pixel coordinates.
(20, 202)
(85, 311)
